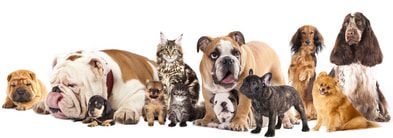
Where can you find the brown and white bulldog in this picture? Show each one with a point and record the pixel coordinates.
(223, 67)
(116, 75)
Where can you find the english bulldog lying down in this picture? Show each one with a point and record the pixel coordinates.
(115, 74)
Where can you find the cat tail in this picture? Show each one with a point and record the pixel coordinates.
(199, 111)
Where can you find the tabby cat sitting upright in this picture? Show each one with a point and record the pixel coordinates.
(172, 69)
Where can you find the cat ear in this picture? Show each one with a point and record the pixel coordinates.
(250, 72)
(178, 39)
(266, 79)
(163, 39)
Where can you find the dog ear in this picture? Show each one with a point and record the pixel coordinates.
(369, 52)
(163, 39)
(203, 43)
(9, 77)
(108, 108)
(318, 41)
(179, 39)
(234, 96)
(250, 72)
(97, 67)
(238, 37)
(341, 53)
(296, 41)
(212, 99)
(32, 75)
(266, 79)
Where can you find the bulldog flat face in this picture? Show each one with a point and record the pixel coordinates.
(75, 79)
(223, 54)
(21, 86)
(224, 106)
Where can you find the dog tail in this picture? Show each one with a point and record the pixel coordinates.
(359, 123)
(199, 111)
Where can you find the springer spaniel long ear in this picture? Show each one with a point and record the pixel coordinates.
(369, 53)
(341, 53)
(296, 41)
(318, 41)
(238, 37)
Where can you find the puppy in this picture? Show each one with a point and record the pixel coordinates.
(224, 106)
(271, 101)
(25, 91)
(99, 112)
(334, 109)
(306, 43)
(155, 105)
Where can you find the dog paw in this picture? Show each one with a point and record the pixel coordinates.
(331, 130)
(288, 125)
(127, 116)
(40, 108)
(269, 133)
(21, 108)
(87, 120)
(256, 131)
(183, 124)
(305, 129)
(172, 124)
(8, 105)
(201, 122)
(239, 125)
(93, 124)
(315, 129)
(150, 124)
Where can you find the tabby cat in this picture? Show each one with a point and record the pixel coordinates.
(172, 69)
(180, 109)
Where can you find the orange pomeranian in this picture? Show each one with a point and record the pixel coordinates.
(334, 109)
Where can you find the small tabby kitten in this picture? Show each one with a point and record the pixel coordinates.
(180, 109)
(172, 69)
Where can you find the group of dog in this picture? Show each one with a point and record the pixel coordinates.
(238, 78)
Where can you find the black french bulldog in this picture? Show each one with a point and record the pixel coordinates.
(271, 101)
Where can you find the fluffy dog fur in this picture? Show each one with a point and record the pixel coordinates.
(25, 91)
(355, 53)
(271, 101)
(155, 105)
(306, 43)
(334, 109)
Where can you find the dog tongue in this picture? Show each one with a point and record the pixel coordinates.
(53, 99)
(229, 79)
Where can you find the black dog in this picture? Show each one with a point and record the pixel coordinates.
(271, 101)
(99, 112)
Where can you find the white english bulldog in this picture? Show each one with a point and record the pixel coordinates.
(116, 75)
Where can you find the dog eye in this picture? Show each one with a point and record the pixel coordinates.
(71, 85)
(312, 33)
(29, 84)
(236, 53)
(303, 33)
(215, 102)
(328, 87)
(13, 85)
(214, 55)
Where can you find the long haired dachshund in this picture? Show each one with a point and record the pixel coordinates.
(355, 53)
(306, 43)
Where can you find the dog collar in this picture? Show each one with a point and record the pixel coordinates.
(109, 83)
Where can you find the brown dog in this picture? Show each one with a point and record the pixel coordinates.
(334, 109)
(25, 91)
(225, 63)
(306, 43)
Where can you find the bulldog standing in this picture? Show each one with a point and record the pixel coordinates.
(117, 75)
(223, 67)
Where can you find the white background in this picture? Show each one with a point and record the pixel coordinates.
(33, 32)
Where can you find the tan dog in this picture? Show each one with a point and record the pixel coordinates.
(334, 109)
(306, 43)
(25, 91)
(223, 67)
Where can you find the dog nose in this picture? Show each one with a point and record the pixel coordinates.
(224, 104)
(56, 89)
(308, 41)
(227, 61)
(20, 91)
(322, 89)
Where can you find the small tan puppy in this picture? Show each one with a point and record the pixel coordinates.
(25, 91)
(334, 109)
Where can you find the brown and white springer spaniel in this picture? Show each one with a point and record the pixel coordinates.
(355, 53)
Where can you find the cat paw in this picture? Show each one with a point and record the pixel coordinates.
(183, 124)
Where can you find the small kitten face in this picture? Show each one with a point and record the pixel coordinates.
(180, 92)
(154, 89)
(96, 106)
